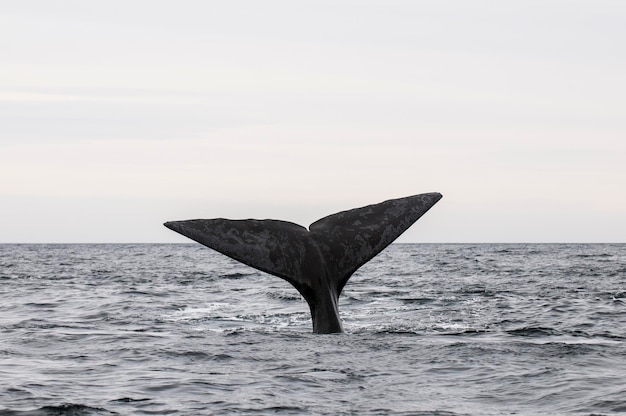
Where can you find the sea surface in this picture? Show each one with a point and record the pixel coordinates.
(431, 329)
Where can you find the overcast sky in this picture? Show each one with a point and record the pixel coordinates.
(116, 116)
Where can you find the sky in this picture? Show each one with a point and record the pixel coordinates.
(116, 116)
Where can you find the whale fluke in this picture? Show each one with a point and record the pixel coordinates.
(318, 262)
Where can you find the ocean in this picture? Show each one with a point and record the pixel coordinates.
(431, 329)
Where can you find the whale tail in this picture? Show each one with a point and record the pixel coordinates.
(318, 262)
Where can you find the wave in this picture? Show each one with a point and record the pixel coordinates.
(66, 409)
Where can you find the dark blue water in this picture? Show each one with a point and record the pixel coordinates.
(430, 329)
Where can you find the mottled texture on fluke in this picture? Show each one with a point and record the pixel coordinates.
(319, 261)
